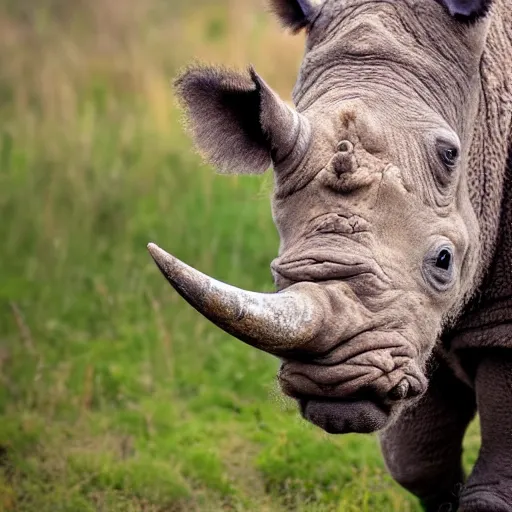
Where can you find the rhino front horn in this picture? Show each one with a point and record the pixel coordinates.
(275, 322)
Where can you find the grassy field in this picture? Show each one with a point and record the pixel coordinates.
(114, 395)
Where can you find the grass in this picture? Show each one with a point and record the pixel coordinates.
(114, 395)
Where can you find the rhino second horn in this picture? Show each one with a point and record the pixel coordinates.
(276, 323)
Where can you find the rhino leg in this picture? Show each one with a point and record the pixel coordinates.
(489, 486)
(423, 448)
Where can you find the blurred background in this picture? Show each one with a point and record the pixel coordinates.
(114, 394)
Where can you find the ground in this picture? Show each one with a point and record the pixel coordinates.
(114, 394)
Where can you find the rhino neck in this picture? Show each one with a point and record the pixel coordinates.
(488, 170)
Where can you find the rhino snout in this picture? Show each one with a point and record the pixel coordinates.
(358, 387)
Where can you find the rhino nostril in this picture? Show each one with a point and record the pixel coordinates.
(400, 391)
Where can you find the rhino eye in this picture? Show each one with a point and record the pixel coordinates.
(450, 156)
(438, 268)
(444, 260)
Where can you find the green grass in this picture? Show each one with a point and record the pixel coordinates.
(114, 394)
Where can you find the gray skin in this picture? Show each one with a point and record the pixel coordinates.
(393, 201)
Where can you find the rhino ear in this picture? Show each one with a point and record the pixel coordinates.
(467, 10)
(238, 123)
(295, 14)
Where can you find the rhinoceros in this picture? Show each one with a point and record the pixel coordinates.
(393, 202)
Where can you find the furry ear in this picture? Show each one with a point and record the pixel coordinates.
(238, 123)
(467, 10)
(295, 14)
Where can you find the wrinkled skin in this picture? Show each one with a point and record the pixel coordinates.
(393, 230)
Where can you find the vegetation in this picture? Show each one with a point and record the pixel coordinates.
(114, 395)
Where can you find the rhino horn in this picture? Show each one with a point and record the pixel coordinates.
(287, 130)
(273, 322)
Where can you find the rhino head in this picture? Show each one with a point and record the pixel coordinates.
(371, 200)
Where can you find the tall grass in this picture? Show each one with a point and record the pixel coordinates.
(113, 394)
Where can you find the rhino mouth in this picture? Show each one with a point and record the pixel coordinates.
(345, 417)
(358, 387)
(363, 412)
